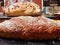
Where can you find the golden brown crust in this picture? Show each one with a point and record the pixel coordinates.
(30, 28)
(23, 8)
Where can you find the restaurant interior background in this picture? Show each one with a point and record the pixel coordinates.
(45, 5)
(49, 8)
(9, 2)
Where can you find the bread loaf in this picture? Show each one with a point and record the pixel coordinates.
(30, 28)
(23, 8)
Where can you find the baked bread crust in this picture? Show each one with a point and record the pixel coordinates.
(23, 8)
(30, 28)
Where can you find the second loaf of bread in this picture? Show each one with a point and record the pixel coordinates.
(23, 8)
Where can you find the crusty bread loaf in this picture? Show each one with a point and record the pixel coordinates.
(23, 8)
(30, 28)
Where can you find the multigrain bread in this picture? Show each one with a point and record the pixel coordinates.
(23, 8)
(30, 28)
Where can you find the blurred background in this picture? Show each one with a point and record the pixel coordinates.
(49, 8)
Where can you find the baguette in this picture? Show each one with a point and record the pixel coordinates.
(30, 28)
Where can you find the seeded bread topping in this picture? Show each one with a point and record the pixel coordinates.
(11, 25)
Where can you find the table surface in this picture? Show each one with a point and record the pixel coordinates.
(4, 16)
(4, 41)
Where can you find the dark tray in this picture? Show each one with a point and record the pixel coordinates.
(6, 41)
